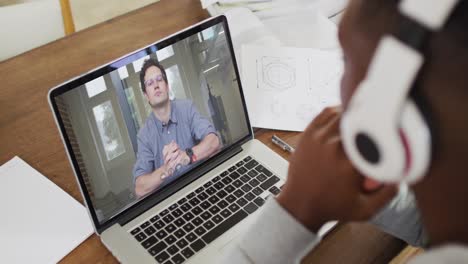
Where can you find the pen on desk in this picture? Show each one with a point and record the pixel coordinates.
(282, 144)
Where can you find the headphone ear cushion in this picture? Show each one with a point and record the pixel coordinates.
(416, 137)
(402, 148)
(373, 144)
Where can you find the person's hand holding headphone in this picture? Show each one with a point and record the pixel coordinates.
(322, 183)
(386, 131)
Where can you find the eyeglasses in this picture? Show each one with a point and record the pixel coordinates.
(158, 78)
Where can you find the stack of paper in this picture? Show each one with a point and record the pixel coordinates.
(40, 222)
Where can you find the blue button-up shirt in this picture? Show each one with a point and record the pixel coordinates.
(186, 126)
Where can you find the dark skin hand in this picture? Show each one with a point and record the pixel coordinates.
(322, 184)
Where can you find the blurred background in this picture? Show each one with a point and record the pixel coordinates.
(32, 23)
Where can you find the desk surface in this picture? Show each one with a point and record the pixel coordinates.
(27, 128)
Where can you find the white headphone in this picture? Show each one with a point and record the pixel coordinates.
(384, 133)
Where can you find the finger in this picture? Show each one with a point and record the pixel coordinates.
(164, 150)
(173, 162)
(179, 160)
(174, 166)
(165, 173)
(171, 148)
(166, 156)
(331, 128)
(167, 149)
(170, 171)
(175, 155)
(371, 203)
(174, 147)
(172, 156)
(325, 115)
(175, 144)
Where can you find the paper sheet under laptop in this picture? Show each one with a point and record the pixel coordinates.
(40, 223)
(285, 88)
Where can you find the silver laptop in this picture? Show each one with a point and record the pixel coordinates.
(163, 151)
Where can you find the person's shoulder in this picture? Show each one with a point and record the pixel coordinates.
(184, 106)
(148, 125)
(183, 103)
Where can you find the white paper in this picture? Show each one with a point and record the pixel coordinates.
(40, 223)
(285, 88)
(27, 25)
(242, 1)
(332, 7)
(281, 8)
(207, 3)
(305, 29)
(246, 28)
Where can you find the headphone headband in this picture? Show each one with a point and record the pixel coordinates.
(433, 14)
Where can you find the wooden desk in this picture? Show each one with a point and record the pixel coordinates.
(27, 128)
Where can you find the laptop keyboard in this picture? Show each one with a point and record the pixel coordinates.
(187, 226)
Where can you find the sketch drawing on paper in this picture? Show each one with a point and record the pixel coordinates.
(324, 73)
(278, 108)
(275, 73)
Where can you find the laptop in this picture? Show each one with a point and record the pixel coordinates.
(166, 184)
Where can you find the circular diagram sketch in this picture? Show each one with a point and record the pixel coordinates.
(277, 74)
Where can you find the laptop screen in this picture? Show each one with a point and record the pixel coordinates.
(137, 125)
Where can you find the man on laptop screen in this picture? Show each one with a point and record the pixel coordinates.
(174, 136)
(162, 147)
(141, 123)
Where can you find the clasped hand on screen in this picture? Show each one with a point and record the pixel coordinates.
(174, 158)
(322, 183)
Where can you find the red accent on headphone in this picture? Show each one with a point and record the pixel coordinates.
(408, 156)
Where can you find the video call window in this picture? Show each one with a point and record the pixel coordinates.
(117, 135)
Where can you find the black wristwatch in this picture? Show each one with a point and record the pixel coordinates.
(190, 154)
